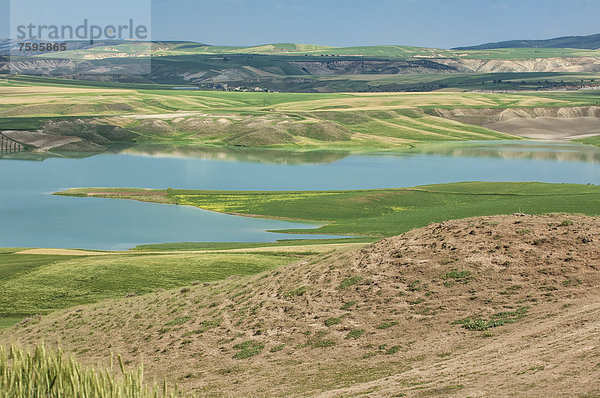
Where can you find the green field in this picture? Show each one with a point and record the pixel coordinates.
(32, 284)
(381, 212)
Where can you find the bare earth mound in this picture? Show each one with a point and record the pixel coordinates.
(490, 306)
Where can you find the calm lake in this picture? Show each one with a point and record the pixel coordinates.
(31, 217)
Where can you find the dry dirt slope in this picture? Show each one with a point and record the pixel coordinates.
(386, 320)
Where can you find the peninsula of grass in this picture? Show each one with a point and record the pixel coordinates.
(379, 212)
(595, 140)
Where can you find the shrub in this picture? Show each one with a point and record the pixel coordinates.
(414, 286)
(332, 321)
(323, 343)
(386, 325)
(499, 319)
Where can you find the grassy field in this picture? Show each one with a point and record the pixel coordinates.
(382, 212)
(32, 284)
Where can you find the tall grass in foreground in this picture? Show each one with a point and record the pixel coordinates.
(47, 374)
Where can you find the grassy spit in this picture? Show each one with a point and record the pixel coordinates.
(595, 141)
(379, 212)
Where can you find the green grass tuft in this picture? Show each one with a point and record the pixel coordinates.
(499, 319)
(386, 325)
(350, 282)
(248, 349)
(41, 373)
(355, 333)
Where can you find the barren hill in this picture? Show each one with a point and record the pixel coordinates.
(490, 306)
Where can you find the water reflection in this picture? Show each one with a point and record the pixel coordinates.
(266, 156)
(523, 150)
(527, 150)
(239, 154)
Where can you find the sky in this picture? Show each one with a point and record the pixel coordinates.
(427, 23)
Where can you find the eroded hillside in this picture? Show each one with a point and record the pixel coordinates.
(556, 123)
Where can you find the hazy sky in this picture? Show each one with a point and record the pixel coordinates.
(431, 23)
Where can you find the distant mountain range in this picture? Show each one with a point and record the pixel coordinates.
(591, 42)
(572, 45)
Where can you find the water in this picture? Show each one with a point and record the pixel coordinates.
(31, 217)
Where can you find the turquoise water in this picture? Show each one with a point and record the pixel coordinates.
(31, 217)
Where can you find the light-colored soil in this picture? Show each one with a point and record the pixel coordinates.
(385, 320)
(547, 128)
(64, 252)
(563, 64)
(559, 123)
(316, 248)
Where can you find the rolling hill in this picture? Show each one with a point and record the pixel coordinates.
(490, 306)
